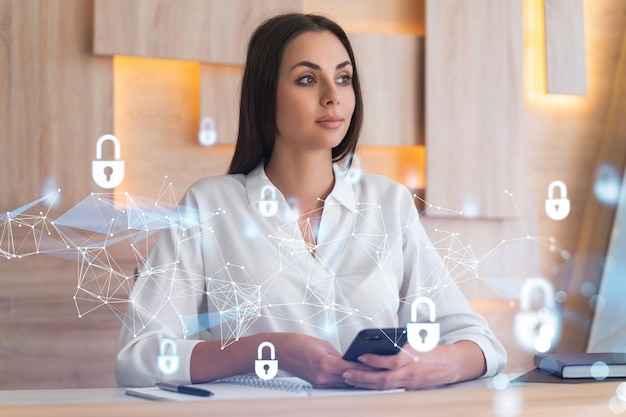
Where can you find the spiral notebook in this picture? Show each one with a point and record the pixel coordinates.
(250, 386)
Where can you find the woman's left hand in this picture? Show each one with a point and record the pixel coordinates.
(411, 369)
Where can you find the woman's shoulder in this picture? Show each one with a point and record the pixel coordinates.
(216, 186)
(382, 186)
(218, 181)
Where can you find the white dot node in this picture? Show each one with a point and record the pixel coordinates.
(599, 370)
(617, 405)
(560, 297)
(587, 289)
(621, 391)
(597, 302)
(500, 382)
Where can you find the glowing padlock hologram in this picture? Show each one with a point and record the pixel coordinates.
(557, 208)
(266, 368)
(423, 336)
(107, 174)
(268, 205)
(168, 363)
(207, 136)
(537, 330)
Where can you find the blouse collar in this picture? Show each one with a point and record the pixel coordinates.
(259, 188)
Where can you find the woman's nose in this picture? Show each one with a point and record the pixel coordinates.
(330, 95)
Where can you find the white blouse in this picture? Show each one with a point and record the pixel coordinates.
(228, 267)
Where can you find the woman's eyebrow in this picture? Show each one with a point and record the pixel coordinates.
(313, 66)
(344, 64)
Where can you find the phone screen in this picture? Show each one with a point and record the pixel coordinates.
(379, 341)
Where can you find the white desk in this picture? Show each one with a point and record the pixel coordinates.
(472, 398)
(65, 396)
(112, 395)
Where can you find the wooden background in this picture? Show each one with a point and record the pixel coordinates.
(464, 114)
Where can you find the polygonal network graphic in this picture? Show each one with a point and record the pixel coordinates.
(90, 231)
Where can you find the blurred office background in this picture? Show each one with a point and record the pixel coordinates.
(477, 106)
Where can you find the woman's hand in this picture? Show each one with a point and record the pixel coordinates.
(314, 360)
(411, 369)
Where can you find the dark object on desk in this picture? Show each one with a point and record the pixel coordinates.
(538, 376)
(379, 341)
(184, 389)
(582, 365)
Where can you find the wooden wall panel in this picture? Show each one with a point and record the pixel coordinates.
(214, 31)
(219, 99)
(44, 343)
(157, 119)
(372, 16)
(55, 101)
(391, 69)
(563, 138)
(60, 101)
(593, 242)
(473, 104)
(565, 47)
(5, 76)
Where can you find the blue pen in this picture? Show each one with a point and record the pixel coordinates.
(184, 389)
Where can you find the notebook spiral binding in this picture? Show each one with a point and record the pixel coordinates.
(281, 384)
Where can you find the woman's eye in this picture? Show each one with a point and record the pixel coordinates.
(307, 79)
(344, 80)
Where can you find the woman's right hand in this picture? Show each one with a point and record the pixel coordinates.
(312, 359)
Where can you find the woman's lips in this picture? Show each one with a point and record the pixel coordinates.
(330, 122)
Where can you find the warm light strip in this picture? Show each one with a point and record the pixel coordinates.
(565, 47)
(534, 48)
(404, 164)
(535, 59)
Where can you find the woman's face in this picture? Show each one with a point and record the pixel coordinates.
(314, 98)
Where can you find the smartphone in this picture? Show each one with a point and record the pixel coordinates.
(378, 341)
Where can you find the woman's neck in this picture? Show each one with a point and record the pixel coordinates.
(304, 178)
(305, 182)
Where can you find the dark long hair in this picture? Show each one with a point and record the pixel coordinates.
(257, 109)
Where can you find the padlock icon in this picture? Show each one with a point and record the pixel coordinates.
(266, 368)
(268, 205)
(557, 208)
(168, 362)
(107, 174)
(207, 136)
(537, 330)
(423, 336)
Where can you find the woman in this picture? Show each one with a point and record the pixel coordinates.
(285, 249)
